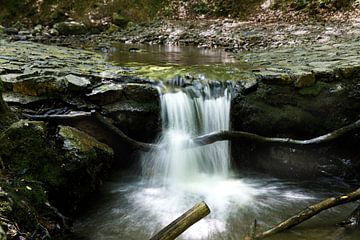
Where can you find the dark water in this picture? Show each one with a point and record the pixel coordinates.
(131, 208)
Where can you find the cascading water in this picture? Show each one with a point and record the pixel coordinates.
(185, 117)
(177, 177)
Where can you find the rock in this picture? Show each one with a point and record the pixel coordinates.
(70, 28)
(303, 79)
(39, 86)
(112, 28)
(2, 234)
(76, 83)
(144, 93)
(106, 93)
(11, 31)
(81, 144)
(86, 162)
(17, 98)
(38, 29)
(274, 77)
(71, 166)
(2, 29)
(6, 117)
(119, 20)
(54, 32)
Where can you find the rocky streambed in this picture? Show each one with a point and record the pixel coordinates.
(52, 166)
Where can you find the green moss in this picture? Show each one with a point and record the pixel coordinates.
(219, 72)
(80, 141)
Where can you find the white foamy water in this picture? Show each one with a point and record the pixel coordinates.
(185, 117)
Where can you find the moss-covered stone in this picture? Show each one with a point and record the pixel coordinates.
(119, 20)
(70, 28)
(86, 162)
(69, 168)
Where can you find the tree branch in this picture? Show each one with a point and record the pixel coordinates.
(310, 212)
(233, 135)
(134, 143)
(178, 226)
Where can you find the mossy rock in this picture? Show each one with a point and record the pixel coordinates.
(70, 28)
(119, 20)
(86, 163)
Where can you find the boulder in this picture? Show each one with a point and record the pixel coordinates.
(69, 166)
(86, 162)
(70, 28)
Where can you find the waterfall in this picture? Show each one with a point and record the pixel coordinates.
(186, 115)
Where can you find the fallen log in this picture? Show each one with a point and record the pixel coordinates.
(178, 226)
(206, 138)
(310, 212)
(233, 135)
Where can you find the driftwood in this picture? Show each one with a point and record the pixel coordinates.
(310, 212)
(178, 226)
(207, 138)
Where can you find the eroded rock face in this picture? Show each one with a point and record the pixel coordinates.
(309, 93)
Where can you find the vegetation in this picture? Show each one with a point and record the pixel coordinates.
(100, 13)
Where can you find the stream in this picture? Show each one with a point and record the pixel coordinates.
(137, 203)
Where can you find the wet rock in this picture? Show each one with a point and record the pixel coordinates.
(76, 83)
(70, 28)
